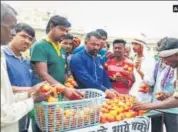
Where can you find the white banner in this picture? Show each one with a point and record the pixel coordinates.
(138, 124)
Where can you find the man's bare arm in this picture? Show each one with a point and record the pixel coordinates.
(20, 89)
(41, 69)
(170, 102)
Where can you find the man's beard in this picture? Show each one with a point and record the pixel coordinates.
(61, 38)
(93, 53)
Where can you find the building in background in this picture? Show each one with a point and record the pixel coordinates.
(40, 19)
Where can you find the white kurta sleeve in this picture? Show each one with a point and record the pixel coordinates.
(13, 112)
(148, 68)
(20, 96)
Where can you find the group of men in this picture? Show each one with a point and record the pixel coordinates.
(58, 56)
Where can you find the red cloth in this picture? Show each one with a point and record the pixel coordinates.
(113, 68)
(76, 41)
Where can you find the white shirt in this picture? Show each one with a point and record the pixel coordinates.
(176, 92)
(13, 106)
(147, 67)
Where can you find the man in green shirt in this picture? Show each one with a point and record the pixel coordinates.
(48, 57)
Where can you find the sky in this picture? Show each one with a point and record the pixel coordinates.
(119, 18)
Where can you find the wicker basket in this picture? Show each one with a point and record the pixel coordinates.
(68, 115)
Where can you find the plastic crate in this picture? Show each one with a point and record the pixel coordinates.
(68, 115)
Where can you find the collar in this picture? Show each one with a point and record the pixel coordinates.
(85, 50)
(57, 46)
(9, 52)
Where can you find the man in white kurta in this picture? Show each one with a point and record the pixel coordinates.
(13, 106)
(169, 53)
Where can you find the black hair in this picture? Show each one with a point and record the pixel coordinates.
(102, 32)
(167, 43)
(69, 36)
(25, 27)
(57, 21)
(107, 45)
(119, 41)
(93, 33)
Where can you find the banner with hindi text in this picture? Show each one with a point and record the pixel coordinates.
(138, 124)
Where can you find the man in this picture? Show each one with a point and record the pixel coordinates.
(168, 51)
(127, 51)
(144, 65)
(163, 86)
(77, 42)
(48, 57)
(87, 67)
(13, 106)
(118, 64)
(142, 57)
(19, 69)
(68, 46)
(102, 51)
(107, 46)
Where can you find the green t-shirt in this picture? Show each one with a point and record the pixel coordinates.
(43, 51)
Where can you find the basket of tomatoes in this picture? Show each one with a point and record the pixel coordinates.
(60, 114)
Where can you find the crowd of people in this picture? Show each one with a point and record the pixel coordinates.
(60, 55)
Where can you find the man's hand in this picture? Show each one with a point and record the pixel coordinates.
(145, 88)
(162, 95)
(110, 55)
(37, 95)
(73, 94)
(35, 88)
(119, 78)
(111, 93)
(144, 106)
(117, 94)
(140, 72)
(59, 87)
(20, 89)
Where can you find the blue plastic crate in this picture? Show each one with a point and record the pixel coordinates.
(68, 115)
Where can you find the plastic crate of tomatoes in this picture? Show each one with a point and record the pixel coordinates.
(61, 114)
